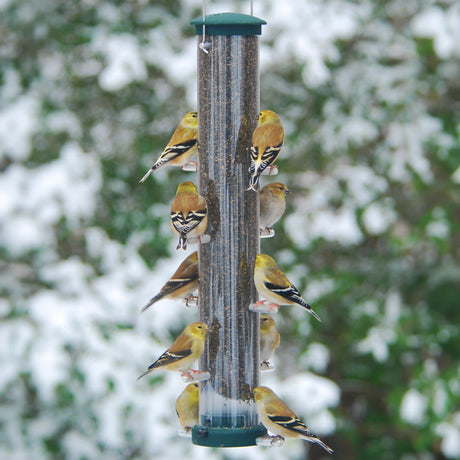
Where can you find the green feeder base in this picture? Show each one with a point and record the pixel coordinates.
(226, 437)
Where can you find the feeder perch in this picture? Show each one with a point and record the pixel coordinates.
(228, 108)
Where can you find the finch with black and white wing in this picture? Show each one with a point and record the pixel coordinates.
(184, 281)
(267, 140)
(279, 419)
(182, 146)
(273, 285)
(185, 350)
(189, 213)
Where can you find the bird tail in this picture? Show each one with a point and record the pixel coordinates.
(144, 373)
(151, 302)
(310, 310)
(253, 182)
(154, 167)
(182, 242)
(322, 444)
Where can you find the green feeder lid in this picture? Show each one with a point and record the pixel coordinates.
(229, 24)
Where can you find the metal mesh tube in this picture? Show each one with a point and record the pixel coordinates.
(228, 106)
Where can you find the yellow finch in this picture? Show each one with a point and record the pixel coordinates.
(267, 141)
(272, 204)
(278, 418)
(184, 281)
(181, 147)
(272, 284)
(188, 213)
(269, 338)
(187, 406)
(185, 350)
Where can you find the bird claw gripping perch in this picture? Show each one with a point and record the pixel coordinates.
(262, 307)
(191, 301)
(266, 232)
(192, 375)
(270, 441)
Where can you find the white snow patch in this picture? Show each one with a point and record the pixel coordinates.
(442, 26)
(316, 357)
(125, 63)
(19, 120)
(450, 434)
(377, 217)
(413, 407)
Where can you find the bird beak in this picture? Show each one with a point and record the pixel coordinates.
(207, 329)
(287, 191)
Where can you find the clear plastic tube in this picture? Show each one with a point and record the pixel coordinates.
(228, 107)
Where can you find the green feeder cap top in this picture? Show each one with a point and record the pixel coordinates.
(229, 24)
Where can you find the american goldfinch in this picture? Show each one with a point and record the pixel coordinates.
(272, 204)
(188, 213)
(267, 140)
(187, 406)
(272, 284)
(184, 281)
(181, 147)
(185, 350)
(278, 418)
(269, 339)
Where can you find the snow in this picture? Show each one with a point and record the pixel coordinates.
(442, 27)
(450, 434)
(124, 62)
(20, 117)
(413, 407)
(80, 315)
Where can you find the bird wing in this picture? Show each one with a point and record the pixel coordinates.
(169, 357)
(292, 423)
(289, 293)
(185, 224)
(173, 151)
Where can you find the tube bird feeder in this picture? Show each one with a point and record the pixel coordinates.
(228, 107)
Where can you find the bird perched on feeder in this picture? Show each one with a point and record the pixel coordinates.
(272, 204)
(273, 285)
(187, 406)
(267, 140)
(181, 147)
(269, 340)
(279, 419)
(184, 281)
(185, 350)
(188, 213)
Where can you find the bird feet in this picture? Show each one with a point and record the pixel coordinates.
(270, 441)
(270, 171)
(192, 375)
(192, 166)
(262, 307)
(266, 232)
(191, 301)
(266, 366)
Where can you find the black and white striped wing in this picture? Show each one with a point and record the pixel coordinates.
(173, 151)
(289, 293)
(269, 156)
(184, 225)
(169, 357)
